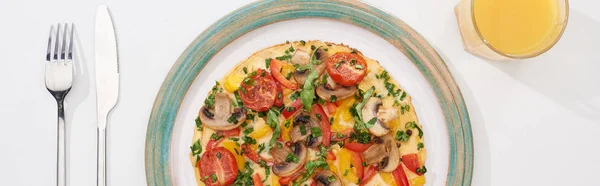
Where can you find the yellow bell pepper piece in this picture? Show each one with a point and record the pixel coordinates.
(274, 180)
(388, 178)
(233, 82)
(345, 157)
(260, 130)
(285, 131)
(343, 118)
(233, 147)
(286, 68)
(418, 181)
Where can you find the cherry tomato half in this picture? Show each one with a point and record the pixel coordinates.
(346, 68)
(259, 90)
(218, 167)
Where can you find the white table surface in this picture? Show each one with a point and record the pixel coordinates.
(535, 122)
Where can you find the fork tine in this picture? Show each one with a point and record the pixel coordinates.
(49, 44)
(64, 44)
(55, 53)
(70, 55)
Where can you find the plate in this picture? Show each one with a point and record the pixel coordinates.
(412, 62)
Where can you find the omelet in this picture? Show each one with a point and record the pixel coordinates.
(308, 113)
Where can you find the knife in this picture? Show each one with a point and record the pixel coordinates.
(107, 81)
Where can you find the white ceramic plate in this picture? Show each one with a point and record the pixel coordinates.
(373, 46)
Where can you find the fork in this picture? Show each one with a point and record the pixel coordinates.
(59, 80)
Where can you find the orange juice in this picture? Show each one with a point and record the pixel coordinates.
(517, 27)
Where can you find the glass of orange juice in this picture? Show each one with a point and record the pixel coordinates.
(506, 30)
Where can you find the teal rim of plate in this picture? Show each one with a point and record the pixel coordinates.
(261, 13)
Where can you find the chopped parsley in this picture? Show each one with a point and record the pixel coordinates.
(360, 67)
(294, 95)
(248, 130)
(261, 147)
(333, 98)
(250, 116)
(338, 64)
(199, 124)
(268, 62)
(316, 132)
(346, 172)
(360, 136)
(219, 155)
(420, 146)
(331, 178)
(248, 140)
(244, 178)
(302, 130)
(413, 125)
(210, 100)
(402, 136)
(213, 177)
(291, 158)
(287, 123)
(404, 108)
(216, 136)
(289, 76)
(312, 47)
(232, 119)
(238, 100)
(196, 148)
(302, 42)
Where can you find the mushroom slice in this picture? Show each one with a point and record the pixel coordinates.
(302, 57)
(218, 117)
(369, 111)
(375, 154)
(385, 156)
(304, 121)
(283, 168)
(331, 88)
(327, 178)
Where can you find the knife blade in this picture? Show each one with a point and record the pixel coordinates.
(107, 81)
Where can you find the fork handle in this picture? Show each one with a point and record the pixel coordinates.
(61, 167)
(101, 179)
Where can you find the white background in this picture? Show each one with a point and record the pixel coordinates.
(535, 122)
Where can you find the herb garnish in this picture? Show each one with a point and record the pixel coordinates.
(308, 91)
(273, 122)
(196, 148)
(413, 125)
(199, 124)
(402, 136)
(291, 158)
(316, 132)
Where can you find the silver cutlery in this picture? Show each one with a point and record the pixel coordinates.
(59, 80)
(107, 81)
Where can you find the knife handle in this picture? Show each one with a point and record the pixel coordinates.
(101, 179)
(61, 148)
